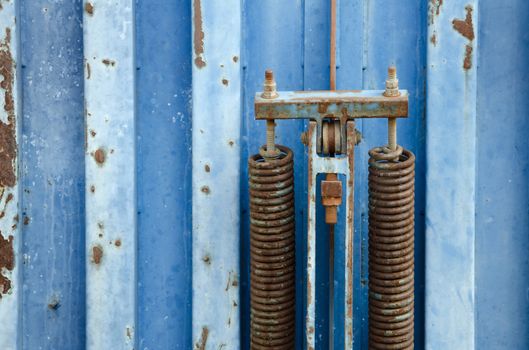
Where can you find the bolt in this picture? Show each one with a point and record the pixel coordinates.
(392, 90)
(392, 83)
(269, 86)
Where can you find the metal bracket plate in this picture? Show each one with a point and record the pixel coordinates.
(338, 165)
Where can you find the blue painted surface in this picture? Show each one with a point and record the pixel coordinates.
(52, 170)
(292, 39)
(502, 199)
(163, 85)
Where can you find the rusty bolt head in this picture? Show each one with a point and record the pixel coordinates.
(392, 83)
(269, 87)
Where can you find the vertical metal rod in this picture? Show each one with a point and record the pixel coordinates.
(333, 46)
(392, 133)
(332, 80)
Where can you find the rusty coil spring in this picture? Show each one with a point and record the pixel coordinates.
(272, 248)
(391, 248)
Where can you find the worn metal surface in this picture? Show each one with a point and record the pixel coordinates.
(451, 153)
(291, 38)
(344, 104)
(216, 173)
(344, 166)
(52, 175)
(111, 175)
(391, 248)
(272, 251)
(502, 186)
(163, 117)
(9, 185)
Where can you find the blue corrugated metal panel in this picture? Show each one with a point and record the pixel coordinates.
(163, 117)
(502, 191)
(52, 175)
(110, 171)
(476, 165)
(451, 174)
(216, 174)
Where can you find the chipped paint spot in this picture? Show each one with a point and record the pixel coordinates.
(54, 303)
(92, 189)
(235, 59)
(100, 156)
(89, 8)
(466, 29)
(201, 344)
(207, 259)
(88, 71)
(97, 254)
(26, 220)
(7, 262)
(231, 143)
(225, 82)
(207, 168)
(8, 146)
(205, 189)
(92, 133)
(198, 36)
(8, 199)
(108, 62)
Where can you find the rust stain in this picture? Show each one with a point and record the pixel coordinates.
(467, 62)
(8, 199)
(198, 36)
(207, 168)
(108, 62)
(8, 146)
(97, 254)
(201, 344)
(26, 220)
(433, 39)
(435, 10)
(207, 259)
(466, 29)
(225, 82)
(89, 8)
(117, 243)
(92, 189)
(7, 262)
(235, 59)
(205, 189)
(100, 156)
(92, 133)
